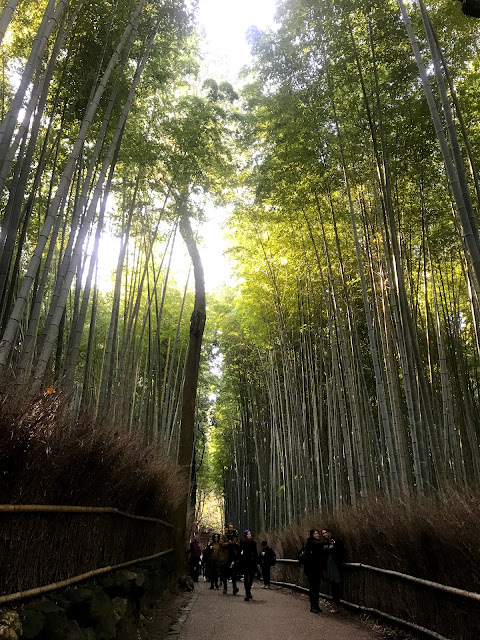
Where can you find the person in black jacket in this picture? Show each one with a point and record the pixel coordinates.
(195, 558)
(267, 560)
(215, 561)
(314, 562)
(206, 559)
(228, 557)
(248, 562)
(334, 553)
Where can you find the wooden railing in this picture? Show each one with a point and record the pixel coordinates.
(396, 576)
(54, 508)
(21, 595)
(39, 510)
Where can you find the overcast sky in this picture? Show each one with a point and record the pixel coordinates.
(225, 23)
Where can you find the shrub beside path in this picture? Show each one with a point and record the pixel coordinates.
(273, 614)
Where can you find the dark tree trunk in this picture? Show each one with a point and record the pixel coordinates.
(471, 8)
(187, 426)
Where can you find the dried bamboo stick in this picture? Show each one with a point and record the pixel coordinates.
(21, 595)
(49, 508)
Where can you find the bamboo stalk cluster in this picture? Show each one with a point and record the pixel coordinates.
(352, 359)
(74, 166)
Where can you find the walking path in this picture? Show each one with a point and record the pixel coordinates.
(273, 614)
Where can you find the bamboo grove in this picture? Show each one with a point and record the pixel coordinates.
(105, 133)
(351, 344)
(351, 341)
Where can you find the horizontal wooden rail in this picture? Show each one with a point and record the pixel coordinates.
(404, 576)
(21, 595)
(53, 508)
(427, 583)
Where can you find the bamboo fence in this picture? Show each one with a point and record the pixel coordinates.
(403, 576)
(21, 595)
(23, 558)
(358, 566)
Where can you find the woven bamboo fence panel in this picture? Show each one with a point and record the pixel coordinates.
(45, 544)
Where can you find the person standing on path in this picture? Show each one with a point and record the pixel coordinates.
(248, 562)
(215, 561)
(229, 551)
(267, 560)
(195, 558)
(334, 553)
(313, 559)
(207, 559)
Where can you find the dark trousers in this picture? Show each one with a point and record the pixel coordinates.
(313, 588)
(248, 577)
(206, 570)
(225, 572)
(195, 568)
(266, 568)
(213, 576)
(336, 589)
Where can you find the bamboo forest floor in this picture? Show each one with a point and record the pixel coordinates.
(274, 614)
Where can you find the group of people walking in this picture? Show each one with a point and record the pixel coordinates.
(226, 557)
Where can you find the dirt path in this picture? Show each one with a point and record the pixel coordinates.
(274, 614)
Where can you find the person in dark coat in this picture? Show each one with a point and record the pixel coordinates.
(195, 558)
(267, 559)
(314, 564)
(214, 550)
(229, 554)
(248, 562)
(207, 559)
(334, 554)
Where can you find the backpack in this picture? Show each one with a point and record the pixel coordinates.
(302, 555)
(273, 558)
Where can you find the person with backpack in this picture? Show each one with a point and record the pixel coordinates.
(267, 559)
